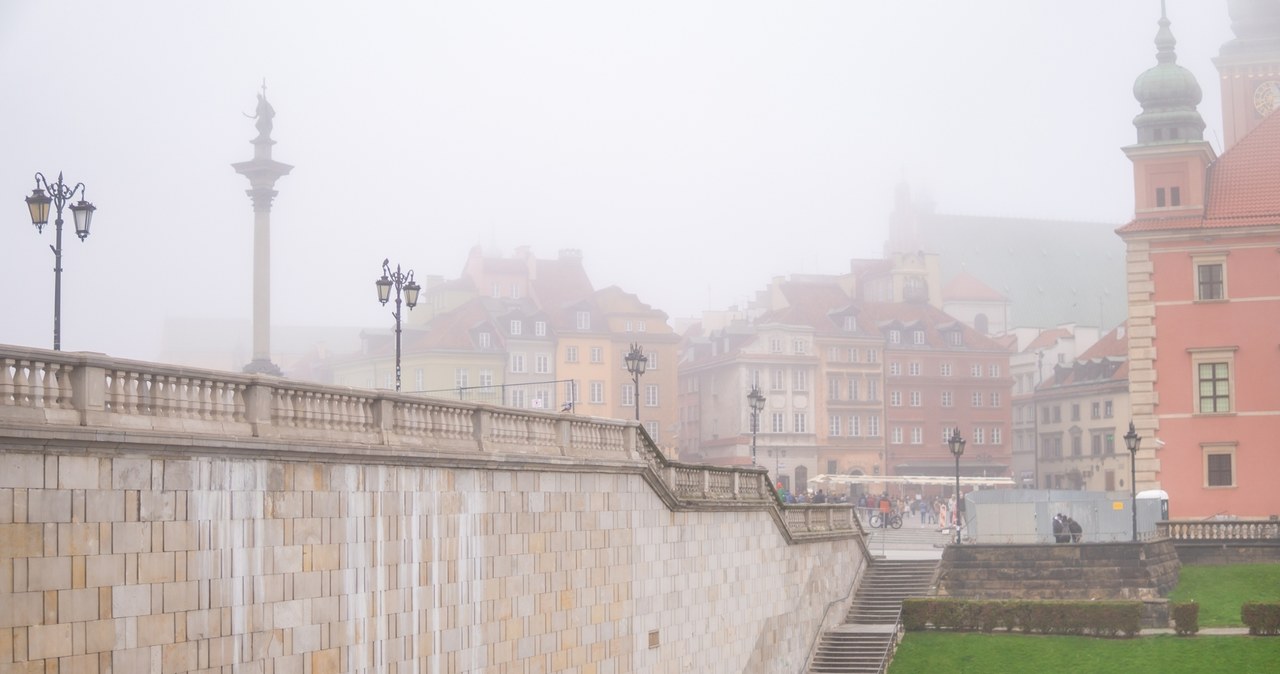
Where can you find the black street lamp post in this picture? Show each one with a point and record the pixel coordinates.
(756, 399)
(403, 283)
(637, 363)
(956, 443)
(1131, 440)
(58, 194)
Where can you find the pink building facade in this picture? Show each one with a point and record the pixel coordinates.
(1203, 266)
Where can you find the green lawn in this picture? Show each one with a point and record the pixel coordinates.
(959, 653)
(1220, 590)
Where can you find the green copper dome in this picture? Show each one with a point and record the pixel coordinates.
(1169, 95)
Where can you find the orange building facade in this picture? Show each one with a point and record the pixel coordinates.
(1203, 265)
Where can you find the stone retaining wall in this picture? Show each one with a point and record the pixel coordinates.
(1144, 570)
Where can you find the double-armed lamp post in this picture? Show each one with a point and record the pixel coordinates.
(636, 363)
(1131, 440)
(403, 283)
(756, 399)
(956, 443)
(57, 195)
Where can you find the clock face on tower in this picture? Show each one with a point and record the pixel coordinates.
(1266, 97)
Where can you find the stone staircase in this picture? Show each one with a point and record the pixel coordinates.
(863, 642)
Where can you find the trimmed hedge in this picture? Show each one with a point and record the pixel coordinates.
(1186, 618)
(1093, 618)
(1262, 618)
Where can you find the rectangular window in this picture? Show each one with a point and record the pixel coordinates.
(570, 354)
(485, 340)
(1215, 388)
(853, 388)
(873, 390)
(917, 336)
(915, 398)
(1044, 415)
(833, 354)
(541, 399)
(945, 369)
(651, 395)
(975, 400)
(418, 379)
(597, 354)
(895, 399)
(1076, 449)
(995, 435)
(801, 380)
(1175, 196)
(855, 427)
(541, 363)
(1095, 411)
(947, 400)
(975, 370)
(517, 362)
(913, 369)
(778, 382)
(651, 360)
(873, 425)
(1095, 444)
(917, 435)
(993, 371)
(628, 395)
(896, 435)
(540, 328)
(775, 345)
(831, 467)
(571, 392)
(957, 339)
(1075, 411)
(895, 368)
(641, 327)
(1107, 409)
(873, 356)
(461, 377)
(833, 388)
(800, 347)
(1219, 466)
(486, 378)
(995, 399)
(597, 392)
(517, 398)
(979, 438)
(895, 337)
(833, 427)
(583, 320)
(1159, 197)
(853, 355)
(1057, 414)
(850, 323)
(516, 328)
(1209, 282)
(779, 420)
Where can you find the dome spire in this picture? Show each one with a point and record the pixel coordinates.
(1169, 95)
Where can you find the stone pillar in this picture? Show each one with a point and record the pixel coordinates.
(262, 172)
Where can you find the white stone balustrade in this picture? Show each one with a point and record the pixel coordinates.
(1219, 530)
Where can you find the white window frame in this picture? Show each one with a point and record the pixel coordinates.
(915, 399)
(650, 395)
(833, 425)
(517, 328)
(517, 363)
(1209, 357)
(597, 392)
(583, 320)
(948, 400)
(540, 328)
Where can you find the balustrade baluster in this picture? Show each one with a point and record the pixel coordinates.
(7, 366)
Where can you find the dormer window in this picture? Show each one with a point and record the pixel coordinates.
(850, 323)
(917, 336)
(895, 336)
(516, 327)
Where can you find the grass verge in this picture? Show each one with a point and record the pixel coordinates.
(1220, 590)
(958, 653)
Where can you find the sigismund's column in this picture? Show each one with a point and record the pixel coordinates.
(262, 172)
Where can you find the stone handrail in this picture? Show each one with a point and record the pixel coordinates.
(145, 402)
(1219, 530)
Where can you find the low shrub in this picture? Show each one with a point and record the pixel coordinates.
(1095, 618)
(1262, 618)
(1186, 618)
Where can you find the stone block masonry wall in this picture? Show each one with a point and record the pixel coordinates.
(187, 563)
(1144, 570)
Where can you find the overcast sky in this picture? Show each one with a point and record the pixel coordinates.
(691, 150)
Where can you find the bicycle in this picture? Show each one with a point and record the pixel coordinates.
(895, 521)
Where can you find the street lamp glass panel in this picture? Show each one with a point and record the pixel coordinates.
(756, 398)
(1131, 438)
(411, 290)
(636, 360)
(38, 204)
(384, 289)
(83, 213)
(956, 443)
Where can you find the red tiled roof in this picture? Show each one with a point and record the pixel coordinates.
(965, 286)
(809, 303)
(931, 319)
(1243, 187)
(1114, 344)
(1046, 338)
